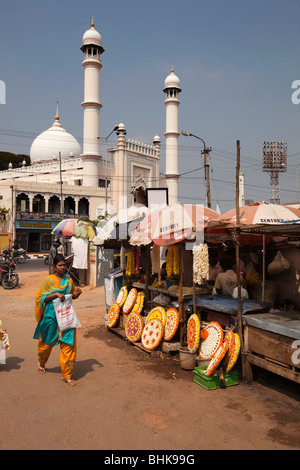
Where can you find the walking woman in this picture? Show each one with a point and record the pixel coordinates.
(55, 286)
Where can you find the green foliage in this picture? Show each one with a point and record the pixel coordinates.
(16, 160)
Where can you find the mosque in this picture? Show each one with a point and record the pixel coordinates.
(65, 180)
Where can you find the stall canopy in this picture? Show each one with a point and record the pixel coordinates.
(172, 224)
(118, 226)
(75, 227)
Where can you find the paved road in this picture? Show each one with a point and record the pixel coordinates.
(125, 399)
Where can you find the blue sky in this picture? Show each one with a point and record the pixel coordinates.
(236, 61)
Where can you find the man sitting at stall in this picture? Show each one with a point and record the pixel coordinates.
(227, 280)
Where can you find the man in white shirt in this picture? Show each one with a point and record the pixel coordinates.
(226, 281)
(80, 261)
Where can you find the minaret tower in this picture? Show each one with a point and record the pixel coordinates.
(172, 90)
(92, 49)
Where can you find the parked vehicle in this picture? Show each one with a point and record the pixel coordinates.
(9, 278)
(46, 259)
(19, 255)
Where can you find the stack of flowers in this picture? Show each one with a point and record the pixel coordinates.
(156, 259)
(200, 263)
(130, 268)
(172, 265)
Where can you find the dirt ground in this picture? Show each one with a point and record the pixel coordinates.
(126, 399)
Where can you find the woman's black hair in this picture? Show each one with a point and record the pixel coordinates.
(58, 258)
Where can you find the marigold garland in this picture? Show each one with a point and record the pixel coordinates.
(155, 259)
(134, 327)
(113, 315)
(193, 333)
(139, 303)
(129, 302)
(157, 312)
(122, 296)
(152, 334)
(172, 322)
(217, 359)
(123, 258)
(130, 269)
(231, 361)
(172, 264)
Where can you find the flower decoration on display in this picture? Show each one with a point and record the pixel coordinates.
(229, 338)
(4, 338)
(209, 346)
(200, 263)
(123, 258)
(230, 360)
(157, 312)
(130, 300)
(139, 303)
(130, 269)
(172, 264)
(113, 315)
(137, 261)
(193, 333)
(152, 334)
(155, 259)
(217, 359)
(134, 327)
(122, 295)
(172, 322)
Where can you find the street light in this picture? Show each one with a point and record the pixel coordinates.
(205, 152)
(106, 152)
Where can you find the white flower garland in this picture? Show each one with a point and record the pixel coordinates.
(156, 259)
(122, 258)
(200, 263)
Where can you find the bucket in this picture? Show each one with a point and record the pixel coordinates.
(187, 359)
(202, 362)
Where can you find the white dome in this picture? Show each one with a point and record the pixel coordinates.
(92, 37)
(172, 81)
(52, 141)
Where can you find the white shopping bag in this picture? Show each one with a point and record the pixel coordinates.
(65, 314)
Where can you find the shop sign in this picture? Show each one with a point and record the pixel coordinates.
(35, 224)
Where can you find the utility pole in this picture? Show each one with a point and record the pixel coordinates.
(205, 152)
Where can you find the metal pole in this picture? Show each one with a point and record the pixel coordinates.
(61, 191)
(106, 161)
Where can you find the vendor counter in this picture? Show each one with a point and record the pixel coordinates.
(222, 308)
(271, 342)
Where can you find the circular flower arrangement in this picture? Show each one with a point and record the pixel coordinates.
(217, 359)
(230, 361)
(157, 312)
(113, 314)
(129, 302)
(122, 295)
(193, 333)
(172, 322)
(209, 346)
(139, 303)
(134, 327)
(230, 339)
(152, 334)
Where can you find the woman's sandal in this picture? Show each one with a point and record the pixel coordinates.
(41, 370)
(70, 382)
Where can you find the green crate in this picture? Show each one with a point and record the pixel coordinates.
(213, 381)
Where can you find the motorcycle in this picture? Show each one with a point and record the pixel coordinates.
(18, 255)
(9, 278)
(46, 260)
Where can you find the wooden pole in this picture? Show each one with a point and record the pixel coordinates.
(180, 297)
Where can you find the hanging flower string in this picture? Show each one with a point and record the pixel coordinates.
(172, 265)
(200, 263)
(137, 260)
(130, 269)
(122, 258)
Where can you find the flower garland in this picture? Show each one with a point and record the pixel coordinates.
(130, 300)
(156, 259)
(152, 334)
(200, 263)
(217, 359)
(134, 327)
(230, 361)
(122, 295)
(113, 315)
(123, 258)
(209, 346)
(172, 265)
(172, 322)
(193, 333)
(139, 303)
(157, 312)
(130, 269)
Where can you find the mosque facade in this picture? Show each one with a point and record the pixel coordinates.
(65, 180)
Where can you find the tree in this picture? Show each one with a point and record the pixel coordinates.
(15, 159)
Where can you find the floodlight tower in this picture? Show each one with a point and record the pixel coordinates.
(274, 162)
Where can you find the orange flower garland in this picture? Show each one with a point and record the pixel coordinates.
(193, 333)
(122, 295)
(152, 334)
(129, 302)
(217, 359)
(139, 303)
(134, 327)
(157, 312)
(209, 346)
(113, 315)
(172, 322)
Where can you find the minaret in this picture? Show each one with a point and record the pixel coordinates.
(92, 49)
(172, 90)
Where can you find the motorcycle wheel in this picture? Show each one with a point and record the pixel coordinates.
(21, 259)
(46, 260)
(10, 281)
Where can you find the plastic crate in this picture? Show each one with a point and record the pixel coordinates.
(213, 381)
